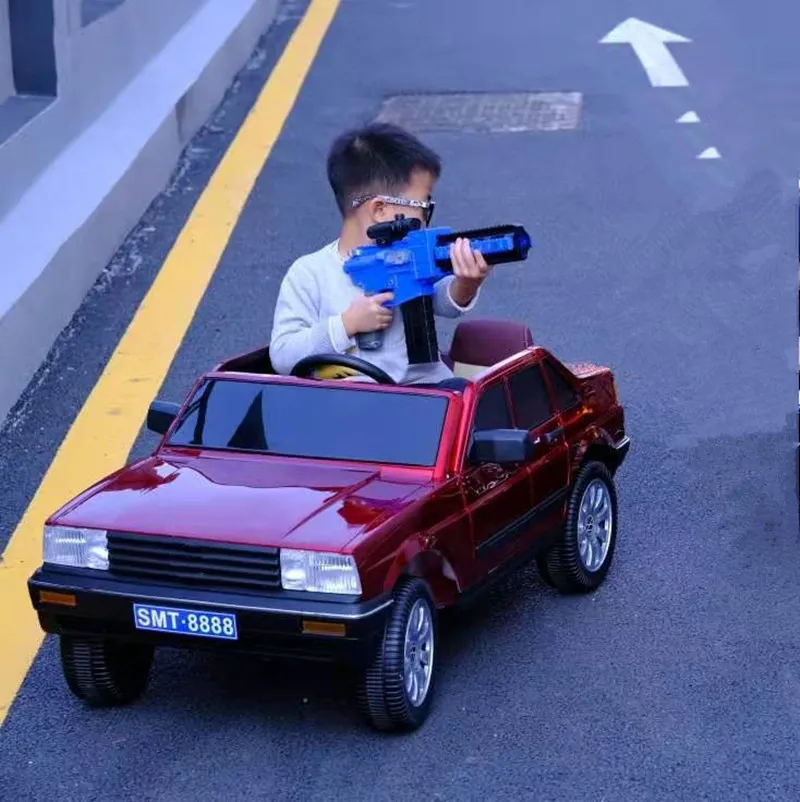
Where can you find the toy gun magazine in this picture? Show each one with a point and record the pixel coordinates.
(408, 260)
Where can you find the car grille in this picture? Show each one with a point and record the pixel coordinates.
(194, 563)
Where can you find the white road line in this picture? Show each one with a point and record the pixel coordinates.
(649, 43)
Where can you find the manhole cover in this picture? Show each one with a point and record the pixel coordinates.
(481, 112)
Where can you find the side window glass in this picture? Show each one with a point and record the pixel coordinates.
(492, 411)
(566, 396)
(529, 395)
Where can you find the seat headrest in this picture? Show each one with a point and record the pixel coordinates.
(485, 342)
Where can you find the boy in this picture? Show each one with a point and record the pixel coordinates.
(375, 173)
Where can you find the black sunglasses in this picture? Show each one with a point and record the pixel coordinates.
(427, 206)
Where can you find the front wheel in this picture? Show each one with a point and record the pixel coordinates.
(105, 673)
(397, 687)
(579, 562)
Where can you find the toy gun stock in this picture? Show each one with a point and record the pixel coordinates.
(408, 260)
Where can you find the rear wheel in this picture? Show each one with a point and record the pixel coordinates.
(544, 571)
(579, 562)
(105, 673)
(397, 687)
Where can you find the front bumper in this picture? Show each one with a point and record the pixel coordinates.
(90, 604)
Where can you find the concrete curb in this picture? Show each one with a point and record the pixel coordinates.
(66, 228)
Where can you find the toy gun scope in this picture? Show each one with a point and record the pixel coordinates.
(408, 260)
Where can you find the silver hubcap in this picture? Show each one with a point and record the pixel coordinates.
(418, 653)
(595, 522)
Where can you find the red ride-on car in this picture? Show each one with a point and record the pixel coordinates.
(332, 520)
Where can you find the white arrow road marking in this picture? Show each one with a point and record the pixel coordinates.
(689, 117)
(709, 153)
(649, 42)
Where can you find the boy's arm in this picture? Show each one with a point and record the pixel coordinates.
(297, 329)
(443, 303)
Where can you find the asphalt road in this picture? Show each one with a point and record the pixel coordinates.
(680, 679)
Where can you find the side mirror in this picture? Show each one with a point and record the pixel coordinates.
(503, 446)
(160, 416)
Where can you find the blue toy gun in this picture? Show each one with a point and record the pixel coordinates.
(408, 260)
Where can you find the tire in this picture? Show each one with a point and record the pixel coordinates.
(105, 673)
(564, 566)
(384, 697)
(544, 571)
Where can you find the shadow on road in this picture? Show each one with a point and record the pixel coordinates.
(229, 687)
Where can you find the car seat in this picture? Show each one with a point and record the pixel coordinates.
(479, 344)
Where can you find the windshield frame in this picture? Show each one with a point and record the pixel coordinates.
(448, 422)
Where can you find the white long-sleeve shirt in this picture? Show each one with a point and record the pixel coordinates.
(308, 320)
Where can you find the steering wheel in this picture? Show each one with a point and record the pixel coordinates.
(309, 364)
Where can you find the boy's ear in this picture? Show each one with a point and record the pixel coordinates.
(378, 210)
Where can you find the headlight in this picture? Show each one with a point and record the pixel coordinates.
(319, 572)
(80, 548)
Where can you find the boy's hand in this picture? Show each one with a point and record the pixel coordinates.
(367, 314)
(470, 270)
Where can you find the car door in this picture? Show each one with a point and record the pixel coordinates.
(572, 413)
(497, 497)
(533, 409)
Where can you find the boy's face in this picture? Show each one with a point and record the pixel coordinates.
(381, 209)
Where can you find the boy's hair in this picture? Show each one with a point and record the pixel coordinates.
(380, 158)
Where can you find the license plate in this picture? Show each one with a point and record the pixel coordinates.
(203, 623)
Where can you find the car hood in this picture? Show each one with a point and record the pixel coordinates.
(243, 499)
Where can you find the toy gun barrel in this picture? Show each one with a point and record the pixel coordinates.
(498, 244)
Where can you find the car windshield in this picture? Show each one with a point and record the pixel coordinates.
(316, 422)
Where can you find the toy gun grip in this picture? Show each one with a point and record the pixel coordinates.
(370, 340)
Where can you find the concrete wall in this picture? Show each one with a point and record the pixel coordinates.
(6, 76)
(100, 58)
(92, 10)
(94, 63)
(135, 81)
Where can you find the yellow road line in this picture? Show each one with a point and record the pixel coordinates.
(106, 428)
